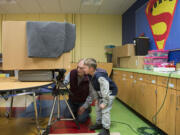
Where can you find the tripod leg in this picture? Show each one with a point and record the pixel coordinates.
(52, 111)
(47, 130)
(58, 105)
(77, 123)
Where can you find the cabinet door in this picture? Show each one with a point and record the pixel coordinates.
(139, 97)
(178, 114)
(162, 81)
(148, 102)
(130, 97)
(136, 95)
(123, 89)
(119, 87)
(145, 99)
(116, 77)
(166, 117)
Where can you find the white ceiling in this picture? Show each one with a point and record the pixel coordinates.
(64, 6)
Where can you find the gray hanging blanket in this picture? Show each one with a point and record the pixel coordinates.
(49, 39)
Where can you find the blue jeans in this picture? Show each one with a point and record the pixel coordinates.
(75, 107)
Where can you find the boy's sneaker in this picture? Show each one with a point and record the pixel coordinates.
(104, 132)
(96, 126)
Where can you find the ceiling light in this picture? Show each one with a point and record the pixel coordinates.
(7, 1)
(91, 2)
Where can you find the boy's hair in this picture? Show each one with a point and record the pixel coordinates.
(90, 62)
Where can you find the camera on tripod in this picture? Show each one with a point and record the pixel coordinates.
(60, 76)
(60, 89)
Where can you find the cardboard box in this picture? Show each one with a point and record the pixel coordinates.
(134, 62)
(125, 50)
(114, 56)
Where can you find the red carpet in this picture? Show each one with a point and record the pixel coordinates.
(63, 127)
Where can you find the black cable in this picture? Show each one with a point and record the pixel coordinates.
(144, 131)
(130, 127)
(159, 110)
(141, 130)
(126, 125)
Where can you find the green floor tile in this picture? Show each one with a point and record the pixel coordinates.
(121, 113)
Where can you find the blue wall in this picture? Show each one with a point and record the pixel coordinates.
(129, 22)
(140, 25)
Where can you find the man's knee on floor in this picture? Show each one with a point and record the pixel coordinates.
(82, 118)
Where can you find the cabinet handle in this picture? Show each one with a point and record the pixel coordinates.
(154, 81)
(124, 79)
(171, 85)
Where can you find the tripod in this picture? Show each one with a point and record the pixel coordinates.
(59, 90)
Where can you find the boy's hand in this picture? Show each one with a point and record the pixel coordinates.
(102, 106)
(96, 102)
(81, 110)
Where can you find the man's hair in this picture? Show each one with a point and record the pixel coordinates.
(83, 59)
(90, 62)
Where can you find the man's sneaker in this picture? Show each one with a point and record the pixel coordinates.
(96, 126)
(104, 132)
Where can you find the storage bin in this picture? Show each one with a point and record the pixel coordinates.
(158, 53)
(155, 59)
(148, 66)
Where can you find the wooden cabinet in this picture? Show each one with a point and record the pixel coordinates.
(126, 93)
(166, 117)
(130, 99)
(148, 101)
(116, 79)
(162, 81)
(150, 79)
(145, 94)
(124, 81)
(123, 89)
(139, 86)
(145, 98)
(178, 113)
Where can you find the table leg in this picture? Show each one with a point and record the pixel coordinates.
(36, 112)
(11, 107)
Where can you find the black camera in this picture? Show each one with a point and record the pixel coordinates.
(60, 74)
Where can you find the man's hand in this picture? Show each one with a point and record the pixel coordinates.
(81, 110)
(102, 106)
